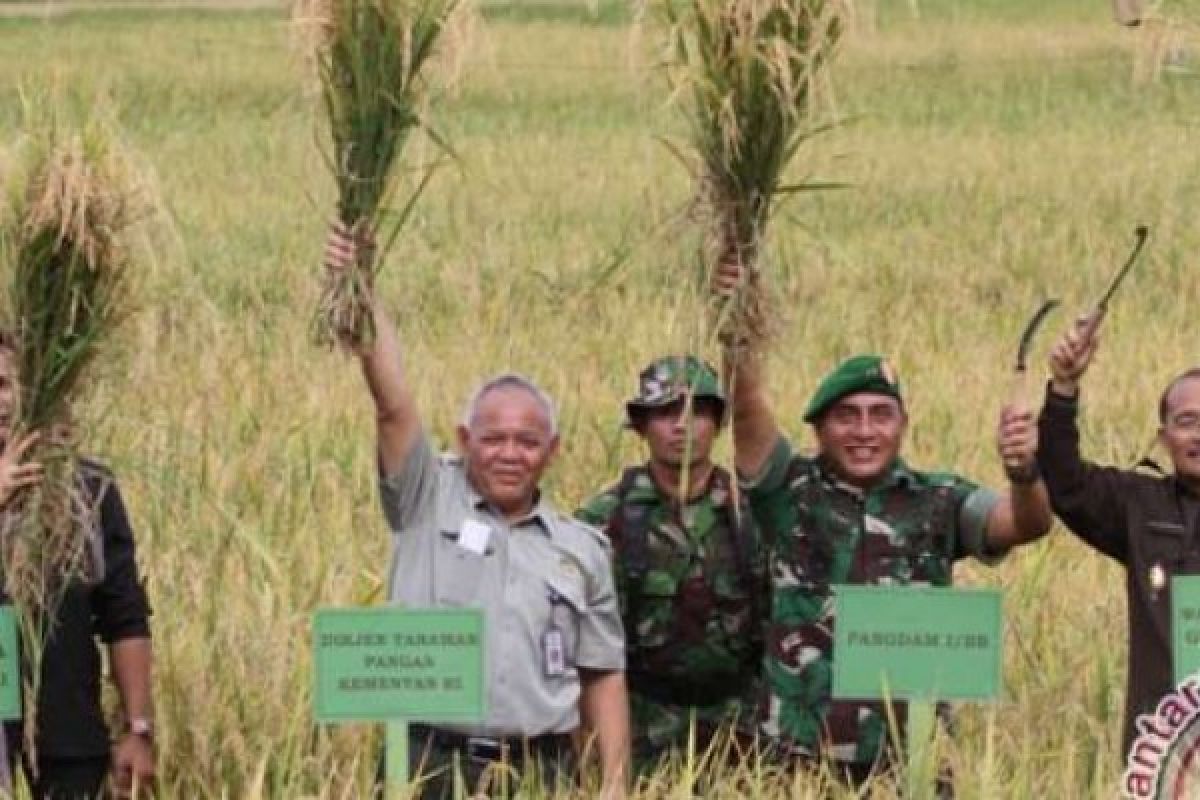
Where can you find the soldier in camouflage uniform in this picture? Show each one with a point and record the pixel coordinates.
(689, 575)
(857, 514)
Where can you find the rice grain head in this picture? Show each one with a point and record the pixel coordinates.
(72, 197)
(749, 74)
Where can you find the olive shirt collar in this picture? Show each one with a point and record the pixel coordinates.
(540, 517)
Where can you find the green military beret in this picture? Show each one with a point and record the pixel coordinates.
(671, 378)
(866, 373)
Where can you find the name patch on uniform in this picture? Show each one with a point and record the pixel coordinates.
(474, 536)
(917, 643)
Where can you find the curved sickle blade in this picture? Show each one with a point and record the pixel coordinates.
(1141, 232)
(1031, 328)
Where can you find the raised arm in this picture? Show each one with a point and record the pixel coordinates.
(396, 420)
(1023, 513)
(1088, 499)
(754, 429)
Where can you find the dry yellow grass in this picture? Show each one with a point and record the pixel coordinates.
(999, 156)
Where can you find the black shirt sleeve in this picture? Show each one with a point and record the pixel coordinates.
(120, 609)
(1090, 500)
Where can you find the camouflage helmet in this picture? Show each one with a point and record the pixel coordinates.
(669, 379)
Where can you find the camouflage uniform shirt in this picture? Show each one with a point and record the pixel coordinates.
(696, 642)
(908, 529)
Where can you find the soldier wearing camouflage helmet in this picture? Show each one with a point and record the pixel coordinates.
(688, 567)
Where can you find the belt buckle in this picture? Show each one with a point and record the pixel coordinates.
(484, 748)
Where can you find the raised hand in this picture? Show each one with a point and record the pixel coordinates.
(349, 260)
(1071, 356)
(728, 277)
(1016, 443)
(15, 473)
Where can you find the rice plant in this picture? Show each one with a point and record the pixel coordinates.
(749, 73)
(372, 61)
(1001, 153)
(66, 267)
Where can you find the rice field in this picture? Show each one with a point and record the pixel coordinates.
(999, 151)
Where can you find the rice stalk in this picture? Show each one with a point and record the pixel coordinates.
(372, 62)
(71, 199)
(749, 74)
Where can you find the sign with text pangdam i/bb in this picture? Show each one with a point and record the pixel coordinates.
(376, 664)
(917, 643)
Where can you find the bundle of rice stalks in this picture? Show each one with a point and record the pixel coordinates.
(70, 200)
(749, 72)
(372, 58)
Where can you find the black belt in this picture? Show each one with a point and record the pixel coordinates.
(677, 692)
(513, 749)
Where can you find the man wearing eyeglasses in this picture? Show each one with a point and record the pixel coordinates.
(1145, 520)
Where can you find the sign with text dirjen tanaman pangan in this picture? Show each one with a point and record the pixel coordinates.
(917, 643)
(375, 664)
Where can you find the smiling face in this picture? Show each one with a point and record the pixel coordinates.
(1180, 431)
(860, 435)
(668, 438)
(507, 444)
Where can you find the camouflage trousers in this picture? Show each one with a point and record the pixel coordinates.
(723, 732)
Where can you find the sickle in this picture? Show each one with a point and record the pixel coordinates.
(1031, 328)
(1141, 232)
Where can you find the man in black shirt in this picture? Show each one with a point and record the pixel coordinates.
(73, 751)
(1145, 520)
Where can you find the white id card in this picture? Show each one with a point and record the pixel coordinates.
(473, 536)
(554, 656)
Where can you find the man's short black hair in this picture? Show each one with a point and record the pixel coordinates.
(1190, 374)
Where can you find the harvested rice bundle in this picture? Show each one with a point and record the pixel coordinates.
(748, 72)
(372, 59)
(71, 199)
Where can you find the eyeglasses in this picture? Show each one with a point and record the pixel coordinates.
(1187, 422)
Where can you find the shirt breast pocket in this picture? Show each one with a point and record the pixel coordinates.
(1165, 547)
(650, 607)
(462, 573)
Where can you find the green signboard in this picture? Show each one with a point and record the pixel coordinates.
(376, 664)
(917, 643)
(10, 666)
(1185, 625)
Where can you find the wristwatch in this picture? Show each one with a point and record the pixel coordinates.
(142, 727)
